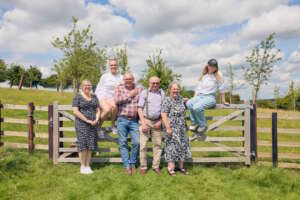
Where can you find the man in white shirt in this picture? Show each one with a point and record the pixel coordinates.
(105, 92)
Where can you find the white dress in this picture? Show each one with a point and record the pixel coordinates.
(106, 87)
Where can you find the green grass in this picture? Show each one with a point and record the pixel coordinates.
(35, 177)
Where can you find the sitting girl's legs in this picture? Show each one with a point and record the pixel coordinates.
(190, 105)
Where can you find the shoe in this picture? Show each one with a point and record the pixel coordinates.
(193, 127)
(128, 171)
(88, 170)
(201, 131)
(100, 133)
(183, 171)
(114, 130)
(172, 172)
(82, 169)
(157, 171)
(133, 169)
(143, 172)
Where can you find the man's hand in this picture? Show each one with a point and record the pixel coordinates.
(169, 131)
(157, 125)
(145, 128)
(133, 93)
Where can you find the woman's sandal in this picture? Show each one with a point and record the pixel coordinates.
(183, 171)
(172, 172)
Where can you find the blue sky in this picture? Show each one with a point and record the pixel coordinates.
(189, 32)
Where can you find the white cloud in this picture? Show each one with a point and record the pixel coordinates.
(159, 15)
(283, 20)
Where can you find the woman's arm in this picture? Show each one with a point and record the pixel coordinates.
(78, 114)
(165, 120)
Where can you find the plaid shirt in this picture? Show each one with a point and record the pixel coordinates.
(127, 106)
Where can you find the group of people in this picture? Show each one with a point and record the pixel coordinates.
(143, 114)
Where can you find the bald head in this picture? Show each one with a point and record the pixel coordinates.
(128, 80)
(154, 83)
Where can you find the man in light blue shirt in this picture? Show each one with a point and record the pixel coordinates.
(149, 110)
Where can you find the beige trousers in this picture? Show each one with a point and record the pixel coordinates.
(156, 137)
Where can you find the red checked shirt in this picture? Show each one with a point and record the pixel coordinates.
(127, 106)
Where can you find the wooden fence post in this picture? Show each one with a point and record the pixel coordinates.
(253, 134)
(30, 128)
(50, 131)
(1, 120)
(247, 144)
(274, 140)
(55, 133)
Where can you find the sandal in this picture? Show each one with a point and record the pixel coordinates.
(172, 172)
(183, 171)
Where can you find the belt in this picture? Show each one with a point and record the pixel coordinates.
(129, 118)
(152, 119)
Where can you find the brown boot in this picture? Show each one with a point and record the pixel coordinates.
(143, 172)
(133, 169)
(157, 171)
(128, 171)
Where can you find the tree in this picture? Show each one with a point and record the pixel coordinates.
(82, 59)
(260, 64)
(15, 74)
(292, 96)
(49, 82)
(61, 75)
(3, 73)
(232, 84)
(186, 93)
(157, 67)
(121, 55)
(276, 96)
(32, 77)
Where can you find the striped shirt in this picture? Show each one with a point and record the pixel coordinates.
(127, 106)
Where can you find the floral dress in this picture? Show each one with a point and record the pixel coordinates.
(177, 145)
(87, 137)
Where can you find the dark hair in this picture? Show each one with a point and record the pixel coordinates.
(213, 62)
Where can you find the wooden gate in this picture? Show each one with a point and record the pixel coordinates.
(62, 148)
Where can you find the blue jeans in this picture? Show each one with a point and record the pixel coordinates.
(124, 127)
(197, 105)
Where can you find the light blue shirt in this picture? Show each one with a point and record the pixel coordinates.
(154, 103)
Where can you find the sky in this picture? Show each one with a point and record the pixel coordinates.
(190, 32)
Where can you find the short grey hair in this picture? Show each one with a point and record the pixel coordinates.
(171, 85)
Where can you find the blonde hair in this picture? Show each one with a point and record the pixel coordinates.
(216, 73)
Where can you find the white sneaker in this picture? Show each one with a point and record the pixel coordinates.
(100, 133)
(114, 130)
(82, 169)
(193, 127)
(88, 170)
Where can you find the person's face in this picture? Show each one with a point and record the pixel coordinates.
(86, 87)
(113, 66)
(128, 81)
(174, 91)
(154, 84)
(211, 69)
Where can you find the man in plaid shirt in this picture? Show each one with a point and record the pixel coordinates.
(126, 98)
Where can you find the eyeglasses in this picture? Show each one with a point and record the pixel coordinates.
(113, 65)
(87, 85)
(155, 83)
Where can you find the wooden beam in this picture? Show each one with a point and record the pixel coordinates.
(67, 115)
(247, 135)
(55, 133)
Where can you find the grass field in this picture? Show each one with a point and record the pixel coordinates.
(24, 176)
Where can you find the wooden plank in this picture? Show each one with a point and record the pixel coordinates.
(67, 139)
(233, 106)
(280, 131)
(41, 135)
(64, 155)
(94, 160)
(15, 121)
(247, 135)
(280, 144)
(224, 139)
(15, 133)
(217, 149)
(65, 107)
(55, 133)
(70, 129)
(41, 108)
(64, 119)
(16, 145)
(230, 128)
(41, 146)
(280, 116)
(280, 155)
(41, 122)
(217, 159)
(15, 107)
(67, 115)
(281, 164)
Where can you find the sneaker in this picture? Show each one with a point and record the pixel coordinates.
(88, 170)
(193, 127)
(100, 133)
(82, 169)
(114, 130)
(201, 130)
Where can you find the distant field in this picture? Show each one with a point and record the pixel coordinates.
(34, 177)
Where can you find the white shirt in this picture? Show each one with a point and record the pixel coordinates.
(209, 85)
(106, 86)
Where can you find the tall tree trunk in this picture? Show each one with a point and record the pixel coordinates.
(61, 87)
(75, 86)
(21, 82)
